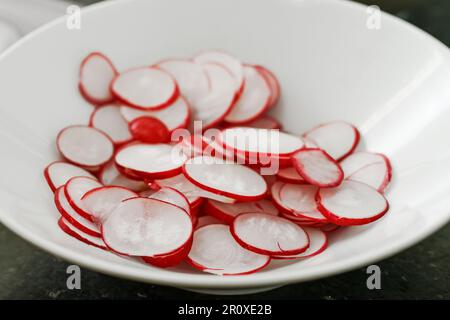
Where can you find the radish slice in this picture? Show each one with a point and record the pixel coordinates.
(145, 88)
(251, 141)
(338, 139)
(290, 175)
(172, 196)
(227, 212)
(316, 167)
(191, 191)
(207, 220)
(263, 122)
(272, 81)
(85, 146)
(171, 259)
(352, 203)
(225, 178)
(253, 101)
(75, 189)
(149, 161)
(109, 120)
(212, 108)
(215, 251)
(96, 74)
(58, 173)
(149, 130)
(373, 169)
(267, 234)
(147, 227)
(111, 176)
(233, 65)
(175, 116)
(66, 210)
(100, 202)
(81, 236)
(318, 242)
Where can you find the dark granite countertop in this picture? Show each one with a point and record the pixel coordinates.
(421, 272)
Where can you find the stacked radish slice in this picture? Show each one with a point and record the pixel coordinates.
(139, 180)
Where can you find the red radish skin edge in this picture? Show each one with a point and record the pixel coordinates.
(141, 175)
(169, 260)
(322, 249)
(72, 203)
(47, 176)
(81, 88)
(266, 73)
(75, 235)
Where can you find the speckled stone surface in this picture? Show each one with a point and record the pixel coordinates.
(421, 272)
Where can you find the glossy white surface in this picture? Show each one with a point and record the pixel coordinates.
(393, 83)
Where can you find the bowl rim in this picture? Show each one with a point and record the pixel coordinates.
(199, 281)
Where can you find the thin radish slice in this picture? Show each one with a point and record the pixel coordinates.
(317, 167)
(275, 88)
(75, 189)
(66, 210)
(145, 88)
(58, 173)
(318, 242)
(171, 259)
(270, 235)
(147, 227)
(100, 202)
(149, 130)
(233, 65)
(207, 220)
(111, 176)
(85, 146)
(225, 178)
(373, 169)
(338, 139)
(80, 236)
(290, 175)
(149, 161)
(190, 190)
(352, 203)
(253, 101)
(227, 212)
(96, 74)
(215, 251)
(254, 141)
(213, 107)
(175, 116)
(109, 120)
(172, 196)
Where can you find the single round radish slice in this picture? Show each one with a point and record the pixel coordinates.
(212, 108)
(227, 212)
(100, 202)
(290, 175)
(191, 78)
(96, 74)
(275, 88)
(171, 259)
(147, 227)
(207, 220)
(214, 250)
(225, 178)
(172, 196)
(109, 120)
(175, 116)
(352, 203)
(233, 65)
(251, 141)
(111, 176)
(81, 236)
(58, 173)
(85, 146)
(338, 139)
(149, 130)
(145, 88)
(267, 234)
(253, 101)
(318, 242)
(66, 210)
(264, 122)
(149, 161)
(75, 189)
(373, 169)
(316, 167)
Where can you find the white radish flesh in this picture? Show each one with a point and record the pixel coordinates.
(263, 122)
(227, 212)
(75, 189)
(109, 120)
(58, 173)
(290, 175)
(111, 176)
(172, 196)
(318, 242)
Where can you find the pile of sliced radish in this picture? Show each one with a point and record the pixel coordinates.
(140, 180)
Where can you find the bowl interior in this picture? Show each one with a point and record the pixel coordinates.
(391, 82)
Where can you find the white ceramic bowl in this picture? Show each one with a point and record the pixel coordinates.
(392, 82)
